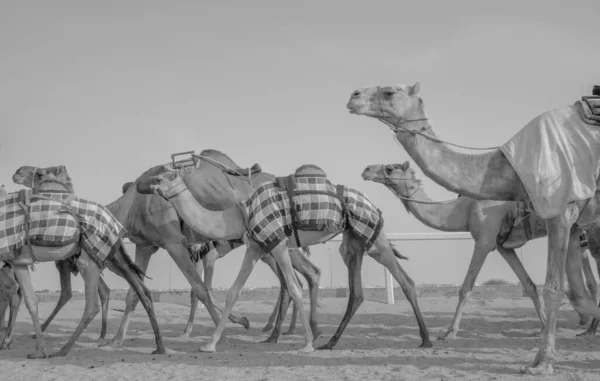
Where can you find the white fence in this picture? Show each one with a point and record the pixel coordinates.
(434, 258)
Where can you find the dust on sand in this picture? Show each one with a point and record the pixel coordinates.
(381, 343)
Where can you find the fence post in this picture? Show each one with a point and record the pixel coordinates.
(389, 286)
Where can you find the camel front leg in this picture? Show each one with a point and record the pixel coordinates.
(64, 272)
(253, 254)
(510, 256)
(352, 253)
(558, 229)
(24, 278)
(480, 253)
(590, 282)
(13, 300)
(594, 324)
(284, 299)
(91, 275)
(143, 253)
(312, 274)
(104, 293)
(200, 269)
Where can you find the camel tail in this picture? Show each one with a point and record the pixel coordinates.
(397, 253)
(136, 269)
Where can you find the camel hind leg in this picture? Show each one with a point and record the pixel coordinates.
(91, 275)
(10, 298)
(352, 252)
(24, 278)
(383, 252)
(510, 256)
(590, 282)
(200, 269)
(283, 300)
(104, 294)
(121, 265)
(64, 272)
(480, 253)
(312, 274)
(253, 254)
(594, 324)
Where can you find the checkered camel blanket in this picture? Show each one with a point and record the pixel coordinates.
(320, 206)
(56, 223)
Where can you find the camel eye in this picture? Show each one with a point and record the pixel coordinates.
(389, 93)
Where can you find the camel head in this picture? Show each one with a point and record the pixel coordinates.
(400, 176)
(394, 104)
(33, 177)
(167, 184)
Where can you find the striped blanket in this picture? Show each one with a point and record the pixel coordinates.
(557, 157)
(319, 207)
(52, 223)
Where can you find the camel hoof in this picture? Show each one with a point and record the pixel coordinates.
(207, 348)
(58, 354)
(111, 343)
(541, 369)
(289, 332)
(269, 340)
(267, 328)
(307, 349)
(426, 344)
(38, 355)
(325, 347)
(586, 333)
(245, 322)
(159, 351)
(316, 333)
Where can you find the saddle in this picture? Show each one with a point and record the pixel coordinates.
(288, 184)
(188, 164)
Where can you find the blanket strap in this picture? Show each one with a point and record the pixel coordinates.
(289, 184)
(24, 204)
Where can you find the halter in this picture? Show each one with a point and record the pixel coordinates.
(400, 122)
(390, 179)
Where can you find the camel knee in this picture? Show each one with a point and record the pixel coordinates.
(464, 292)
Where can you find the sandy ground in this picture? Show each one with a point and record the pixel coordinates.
(381, 343)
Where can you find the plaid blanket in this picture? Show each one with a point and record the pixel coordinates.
(52, 223)
(318, 207)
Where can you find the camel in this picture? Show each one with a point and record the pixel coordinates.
(152, 223)
(51, 191)
(262, 239)
(499, 225)
(65, 269)
(487, 176)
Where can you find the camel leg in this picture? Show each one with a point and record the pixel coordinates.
(120, 265)
(142, 259)
(510, 256)
(590, 281)
(292, 326)
(15, 304)
(284, 299)
(312, 274)
(352, 253)
(104, 293)
(253, 254)
(383, 252)
(269, 324)
(8, 287)
(24, 278)
(594, 324)
(90, 273)
(480, 253)
(282, 256)
(558, 229)
(193, 300)
(64, 272)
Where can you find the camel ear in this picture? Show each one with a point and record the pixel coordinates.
(414, 90)
(41, 172)
(406, 165)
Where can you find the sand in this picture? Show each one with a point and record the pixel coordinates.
(381, 343)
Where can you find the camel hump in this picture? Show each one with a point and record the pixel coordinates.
(126, 186)
(310, 169)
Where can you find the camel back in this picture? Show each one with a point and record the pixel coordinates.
(308, 201)
(54, 219)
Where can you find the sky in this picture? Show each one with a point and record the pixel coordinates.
(111, 88)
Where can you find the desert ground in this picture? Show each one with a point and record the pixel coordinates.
(381, 343)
